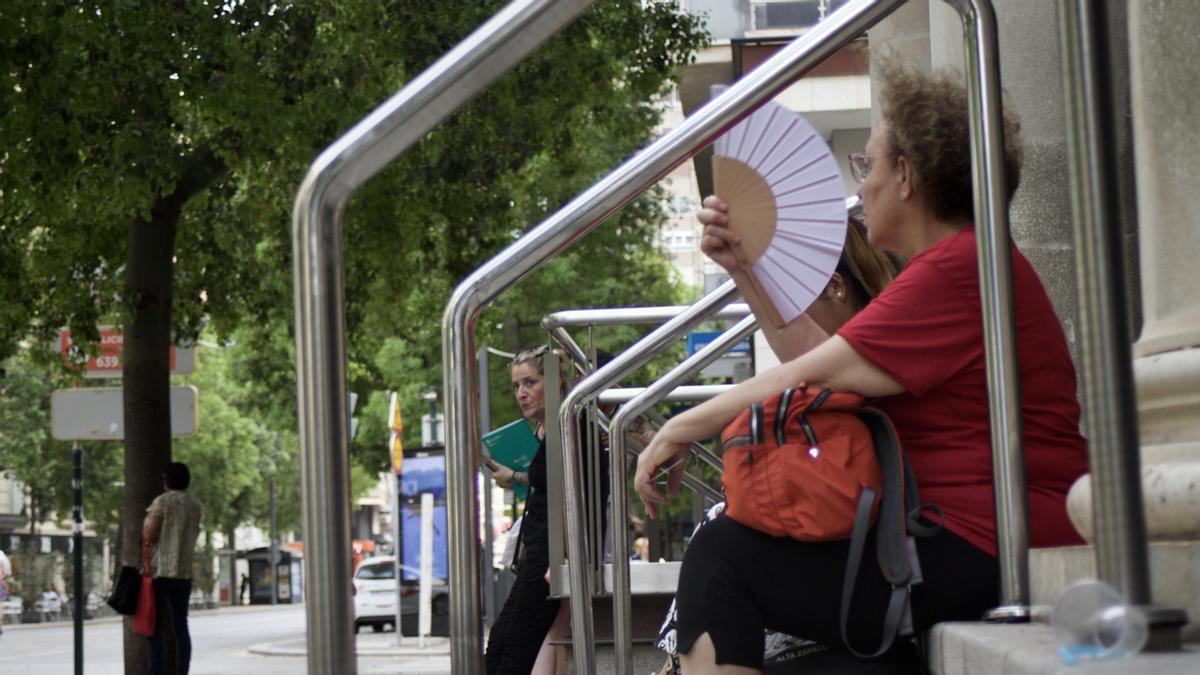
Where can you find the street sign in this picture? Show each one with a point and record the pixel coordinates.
(108, 362)
(734, 363)
(697, 340)
(97, 414)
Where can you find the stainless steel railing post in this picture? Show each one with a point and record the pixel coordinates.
(622, 602)
(320, 202)
(582, 629)
(995, 285)
(1107, 359)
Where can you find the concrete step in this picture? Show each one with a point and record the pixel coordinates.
(1032, 649)
(648, 613)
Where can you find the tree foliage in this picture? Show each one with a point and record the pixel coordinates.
(194, 122)
(111, 107)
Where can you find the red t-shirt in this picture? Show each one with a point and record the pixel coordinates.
(926, 331)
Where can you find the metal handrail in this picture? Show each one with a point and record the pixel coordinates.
(691, 481)
(556, 323)
(466, 70)
(480, 59)
(993, 242)
(582, 634)
(622, 603)
(628, 316)
(1106, 356)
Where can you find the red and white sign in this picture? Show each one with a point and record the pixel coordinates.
(112, 343)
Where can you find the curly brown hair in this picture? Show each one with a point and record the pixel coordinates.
(928, 124)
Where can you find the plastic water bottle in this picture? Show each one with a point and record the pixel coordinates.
(1093, 621)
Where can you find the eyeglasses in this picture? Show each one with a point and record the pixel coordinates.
(860, 165)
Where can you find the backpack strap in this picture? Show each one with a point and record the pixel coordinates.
(895, 549)
(899, 487)
(898, 612)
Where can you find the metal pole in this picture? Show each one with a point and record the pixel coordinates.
(485, 425)
(1107, 360)
(433, 418)
(318, 260)
(582, 630)
(995, 285)
(274, 532)
(397, 552)
(80, 604)
(561, 230)
(622, 602)
(629, 316)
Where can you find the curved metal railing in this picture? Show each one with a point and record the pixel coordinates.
(464, 72)
(622, 604)
(349, 162)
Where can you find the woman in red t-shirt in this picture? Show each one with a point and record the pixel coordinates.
(918, 349)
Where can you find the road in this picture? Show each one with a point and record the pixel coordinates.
(221, 644)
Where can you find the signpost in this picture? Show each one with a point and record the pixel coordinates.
(735, 363)
(98, 414)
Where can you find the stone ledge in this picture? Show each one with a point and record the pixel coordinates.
(1032, 649)
(1174, 576)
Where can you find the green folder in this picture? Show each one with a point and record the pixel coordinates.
(514, 446)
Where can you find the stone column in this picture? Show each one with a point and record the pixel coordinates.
(903, 35)
(1167, 353)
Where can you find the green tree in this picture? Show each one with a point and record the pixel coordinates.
(152, 151)
(27, 451)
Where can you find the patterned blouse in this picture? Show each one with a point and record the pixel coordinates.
(180, 515)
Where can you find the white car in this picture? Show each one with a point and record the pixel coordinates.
(375, 593)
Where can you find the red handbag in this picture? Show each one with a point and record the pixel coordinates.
(798, 465)
(816, 465)
(145, 616)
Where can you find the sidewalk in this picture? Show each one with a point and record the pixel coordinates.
(112, 617)
(366, 644)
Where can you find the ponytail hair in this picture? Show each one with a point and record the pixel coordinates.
(866, 269)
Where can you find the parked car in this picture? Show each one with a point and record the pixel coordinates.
(375, 593)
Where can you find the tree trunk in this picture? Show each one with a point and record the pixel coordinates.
(148, 293)
(33, 515)
(147, 338)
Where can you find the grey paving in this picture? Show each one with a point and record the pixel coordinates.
(226, 641)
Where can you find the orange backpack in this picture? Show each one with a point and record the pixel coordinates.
(816, 465)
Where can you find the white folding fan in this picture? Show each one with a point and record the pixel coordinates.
(786, 201)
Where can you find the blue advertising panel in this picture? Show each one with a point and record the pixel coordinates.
(696, 340)
(419, 475)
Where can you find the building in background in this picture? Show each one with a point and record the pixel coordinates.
(835, 97)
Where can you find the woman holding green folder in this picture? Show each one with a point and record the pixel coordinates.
(524, 624)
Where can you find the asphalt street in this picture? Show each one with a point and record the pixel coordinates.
(226, 641)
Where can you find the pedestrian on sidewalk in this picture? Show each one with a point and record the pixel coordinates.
(169, 532)
(5, 574)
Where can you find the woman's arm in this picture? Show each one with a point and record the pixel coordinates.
(834, 364)
(798, 336)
